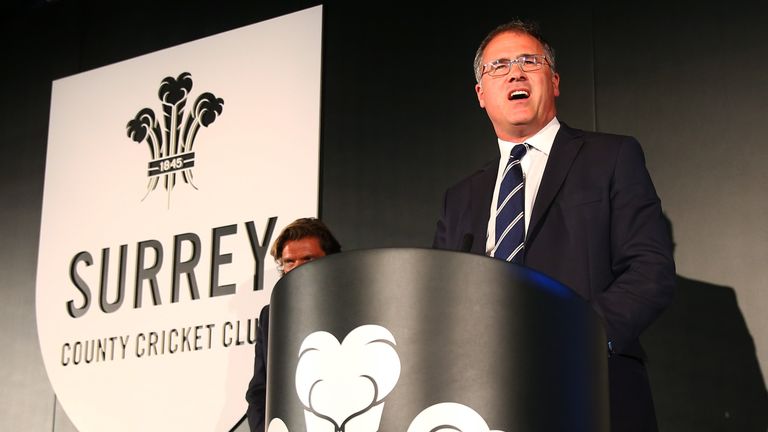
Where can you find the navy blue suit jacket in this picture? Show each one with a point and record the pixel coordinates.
(596, 226)
(257, 388)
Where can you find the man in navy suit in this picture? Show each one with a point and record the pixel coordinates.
(592, 218)
(302, 241)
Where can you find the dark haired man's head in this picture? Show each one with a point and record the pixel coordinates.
(302, 241)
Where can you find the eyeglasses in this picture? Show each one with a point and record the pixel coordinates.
(527, 63)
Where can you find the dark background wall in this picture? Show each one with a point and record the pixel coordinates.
(400, 123)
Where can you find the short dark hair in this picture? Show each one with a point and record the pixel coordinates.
(303, 228)
(530, 28)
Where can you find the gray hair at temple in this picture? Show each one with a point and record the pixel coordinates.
(516, 26)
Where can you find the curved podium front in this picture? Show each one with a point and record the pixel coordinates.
(420, 340)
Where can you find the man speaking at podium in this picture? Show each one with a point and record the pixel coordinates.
(578, 206)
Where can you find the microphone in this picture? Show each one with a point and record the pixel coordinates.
(466, 242)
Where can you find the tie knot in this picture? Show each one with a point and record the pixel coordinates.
(518, 151)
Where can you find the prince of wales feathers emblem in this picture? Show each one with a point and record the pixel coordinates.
(171, 144)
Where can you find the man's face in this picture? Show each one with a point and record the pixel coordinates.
(301, 251)
(516, 119)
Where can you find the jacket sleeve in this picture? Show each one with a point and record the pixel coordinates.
(641, 252)
(440, 240)
(257, 388)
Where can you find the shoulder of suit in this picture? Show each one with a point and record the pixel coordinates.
(590, 136)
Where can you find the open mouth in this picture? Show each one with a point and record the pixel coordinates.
(518, 94)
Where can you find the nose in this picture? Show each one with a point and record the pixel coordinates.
(516, 73)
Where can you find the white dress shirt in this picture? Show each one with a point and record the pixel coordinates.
(532, 164)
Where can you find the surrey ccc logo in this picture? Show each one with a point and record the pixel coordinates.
(171, 143)
(343, 386)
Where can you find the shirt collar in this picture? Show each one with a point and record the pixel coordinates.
(541, 141)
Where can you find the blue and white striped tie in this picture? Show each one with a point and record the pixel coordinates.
(510, 210)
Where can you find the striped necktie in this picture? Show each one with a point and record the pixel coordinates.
(510, 210)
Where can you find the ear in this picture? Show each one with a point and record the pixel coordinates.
(480, 94)
(556, 84)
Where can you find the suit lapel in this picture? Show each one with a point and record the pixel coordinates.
(482, 195)
(564, 150)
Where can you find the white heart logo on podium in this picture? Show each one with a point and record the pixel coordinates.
(343, 386)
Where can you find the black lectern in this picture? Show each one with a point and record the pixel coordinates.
(412, 340)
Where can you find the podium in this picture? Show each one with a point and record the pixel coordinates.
(421, 340)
